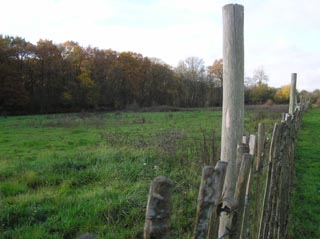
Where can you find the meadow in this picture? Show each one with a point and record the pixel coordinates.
(63, 175)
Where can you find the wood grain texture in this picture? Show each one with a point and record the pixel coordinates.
(233, 95)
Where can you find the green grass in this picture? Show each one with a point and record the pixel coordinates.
(66, 174)
(305, 209)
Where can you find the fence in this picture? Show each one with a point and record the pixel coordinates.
(224, 209)
(264, 180)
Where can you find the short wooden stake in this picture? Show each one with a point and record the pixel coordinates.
(258, 177)
(260, 147)
(252, 144)
(266, 208)
(159, 209)
(240, 194)
(241, 149)
(209, 197)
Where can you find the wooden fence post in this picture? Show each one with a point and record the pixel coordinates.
(208, 199)
(240, 195)
(252, 144)
(246, 211)
(220, 169)
(241, 149)
(275, 154)
(245, 139)
(275, 184)
(233, 96)
(274, 148)
(284, 184)
(259, 179)
(159, 209)
(260, 147)
(293, 93)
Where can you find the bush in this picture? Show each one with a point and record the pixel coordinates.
(282, 95)
(269, 102)
(258, 94)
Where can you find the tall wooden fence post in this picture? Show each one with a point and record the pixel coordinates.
(159, 209)
(233, 96)
(293, 93)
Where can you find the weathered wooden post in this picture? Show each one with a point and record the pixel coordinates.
(253, 144)
(293, 93)
(246, 209)
(159, 209)
(233, 97)
(240, 194)
(208, 199)
(258, 179)
(284, 186)
(268, 194)
(241, 149)
(260, 148)
(245, 138)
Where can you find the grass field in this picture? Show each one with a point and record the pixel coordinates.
(66, 174)
(305, 208)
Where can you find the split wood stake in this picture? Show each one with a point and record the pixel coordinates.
(159, 209)
(209, 197)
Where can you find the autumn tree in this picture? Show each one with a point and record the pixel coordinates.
(81, 90)
(49, 77)
(13, 95)
(165, 87)
(260, 93)
(257, 90)
(101, 63)
(282, 95)
(46, 76)
(216, 70)
(215, 73)
(192, 72)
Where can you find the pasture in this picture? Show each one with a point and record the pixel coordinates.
(66, 174)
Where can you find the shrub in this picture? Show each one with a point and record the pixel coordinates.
(269, 102)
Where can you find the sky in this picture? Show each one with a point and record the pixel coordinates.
(280, 36)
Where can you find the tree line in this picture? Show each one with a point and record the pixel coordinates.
(47, 77)
(257, 91)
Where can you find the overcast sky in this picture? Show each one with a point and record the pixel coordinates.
(281, 35)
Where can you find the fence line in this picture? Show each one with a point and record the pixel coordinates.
(272, 182)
